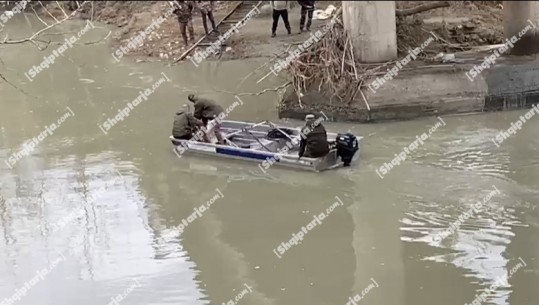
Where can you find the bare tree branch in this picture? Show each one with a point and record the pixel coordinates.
(37, 15)
(46, 10)
(276, 89)
(33, 37)
(422, 8)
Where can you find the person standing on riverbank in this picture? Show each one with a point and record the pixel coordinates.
(206, 11)
(307, 9)
(280, 9)
(184, 13)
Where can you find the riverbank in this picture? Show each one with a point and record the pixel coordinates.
(424, 88)
(428, 90)
(461, 25)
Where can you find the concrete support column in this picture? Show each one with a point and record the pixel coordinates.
(372, 29)
(521, 20)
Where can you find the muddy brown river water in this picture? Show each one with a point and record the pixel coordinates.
(91, 216)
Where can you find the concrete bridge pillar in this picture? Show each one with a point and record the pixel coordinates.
(372, 28)
(521, 20)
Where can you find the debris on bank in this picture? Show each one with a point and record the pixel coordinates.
(331, 69)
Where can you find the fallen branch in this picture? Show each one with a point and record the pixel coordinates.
(276, 89)
(32, 38)
(447, 43)
(76, 44)
(422, 8)
(11, 84)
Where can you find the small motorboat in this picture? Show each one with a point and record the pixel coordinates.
(272, 145)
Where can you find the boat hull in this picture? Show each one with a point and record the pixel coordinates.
(274, 156)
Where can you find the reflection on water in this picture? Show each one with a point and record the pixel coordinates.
(105, 202)
(89, 211)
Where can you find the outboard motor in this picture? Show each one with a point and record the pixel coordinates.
(347, 145)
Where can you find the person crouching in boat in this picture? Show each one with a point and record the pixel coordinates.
(185, 124)
(208, 111)
(314, 139)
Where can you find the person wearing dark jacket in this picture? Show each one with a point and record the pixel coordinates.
(185, 125)
(208, 111)
(184, 13)
(307, 9)
(280, 9)
(314, 139)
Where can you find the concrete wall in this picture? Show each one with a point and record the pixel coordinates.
(372, 28)
(428, 92)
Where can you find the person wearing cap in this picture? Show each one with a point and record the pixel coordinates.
(208, 111)
(314, 139)
(185, 124)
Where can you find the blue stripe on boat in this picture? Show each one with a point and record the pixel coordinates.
(245, 154)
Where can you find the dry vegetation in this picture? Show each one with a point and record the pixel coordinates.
(331, 66)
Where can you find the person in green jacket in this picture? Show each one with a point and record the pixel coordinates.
(314, 139)
(185, 125)
(184, 13)
(208, 111)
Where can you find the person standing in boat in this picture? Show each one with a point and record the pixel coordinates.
(206, 12)
(185, 125)
(314, 139)
(208, 111)
(184, 13)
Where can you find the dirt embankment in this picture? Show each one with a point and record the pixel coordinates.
(329, 77)
(132, 17)
(462, 24)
